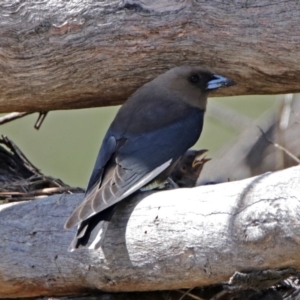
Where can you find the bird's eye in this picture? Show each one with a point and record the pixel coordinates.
(194, 78)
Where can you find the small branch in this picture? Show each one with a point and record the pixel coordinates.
(276, 145)
(42, 116)
(17, 115)
(13, 116)
(20, 180)
(19, 196)
(219, 295)
(187, 293)
(16, 151)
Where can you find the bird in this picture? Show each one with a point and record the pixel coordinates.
(188, 169)
(155, 126)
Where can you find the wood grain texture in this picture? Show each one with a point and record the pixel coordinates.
(74, 54)
(165, 240)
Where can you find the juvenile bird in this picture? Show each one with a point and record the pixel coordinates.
(188, 169)
(149, 134)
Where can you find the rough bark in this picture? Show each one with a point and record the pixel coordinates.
(165, 240)
(66, 54)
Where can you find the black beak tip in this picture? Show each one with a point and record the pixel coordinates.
(230, 83)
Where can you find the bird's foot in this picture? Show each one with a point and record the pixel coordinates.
(159, 185)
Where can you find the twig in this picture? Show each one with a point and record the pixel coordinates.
(40, 120)
(17, 115)
(14, 149)
(187, 293)
(13, 116)
(30, 183)
(43, 192)
(291, 155)
(219, 295)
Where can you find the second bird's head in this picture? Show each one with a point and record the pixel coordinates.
(192, 84)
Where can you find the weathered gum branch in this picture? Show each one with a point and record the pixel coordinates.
(160, 241)
(66, 54)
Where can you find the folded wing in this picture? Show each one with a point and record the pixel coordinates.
(123, 168)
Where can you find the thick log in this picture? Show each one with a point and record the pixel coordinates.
(66, 54)
(165, 240)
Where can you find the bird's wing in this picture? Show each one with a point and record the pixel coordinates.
(137, 162)
(122, 183)
(107, 150)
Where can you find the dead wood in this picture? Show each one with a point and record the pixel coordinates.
(66, 54)
(20, 180)
(157, 241)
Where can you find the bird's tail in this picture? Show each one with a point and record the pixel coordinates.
(91, 232)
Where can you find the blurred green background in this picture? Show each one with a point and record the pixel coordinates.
(66, 145)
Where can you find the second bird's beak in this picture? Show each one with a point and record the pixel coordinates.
(219, 81)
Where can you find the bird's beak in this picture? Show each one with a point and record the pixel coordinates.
(219, 81)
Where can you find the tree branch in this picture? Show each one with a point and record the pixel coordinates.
(156, 241)
(65, 54)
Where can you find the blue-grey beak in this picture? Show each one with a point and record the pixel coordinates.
(219, 81)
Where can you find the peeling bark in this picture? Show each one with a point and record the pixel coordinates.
(156, 241)
(66, 54)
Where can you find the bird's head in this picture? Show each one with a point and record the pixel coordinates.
(192, 84)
